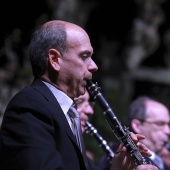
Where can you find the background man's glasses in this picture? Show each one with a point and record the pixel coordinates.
(158, 123)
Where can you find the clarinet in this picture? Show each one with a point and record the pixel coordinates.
(121, 132)
(89, 129)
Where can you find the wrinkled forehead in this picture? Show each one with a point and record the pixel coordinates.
(156, 110)
(77, 35)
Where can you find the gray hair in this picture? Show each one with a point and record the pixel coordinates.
(137, 110)
(47, 36)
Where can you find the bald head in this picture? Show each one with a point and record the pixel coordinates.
(74, 33)
(70, 28)
(61, 23)
(53, 34)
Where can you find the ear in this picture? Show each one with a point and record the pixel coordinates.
(135, 123)
(53, 59)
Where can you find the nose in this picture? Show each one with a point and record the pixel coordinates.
(89, 110)
(167, 129)
(92, 66)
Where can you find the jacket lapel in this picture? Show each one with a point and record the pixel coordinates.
(38, 85)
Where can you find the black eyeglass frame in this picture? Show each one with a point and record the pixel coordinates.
(158, 122)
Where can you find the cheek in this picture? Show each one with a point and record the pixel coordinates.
(155, 136)
(147, 133)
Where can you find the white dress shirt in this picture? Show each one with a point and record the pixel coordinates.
(64, 101)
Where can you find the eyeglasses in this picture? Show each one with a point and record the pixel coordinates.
(158, 123)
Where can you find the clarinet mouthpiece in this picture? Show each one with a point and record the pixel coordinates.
(89, 82)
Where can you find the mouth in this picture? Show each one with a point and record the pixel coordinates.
(85, 82)
(88, 79)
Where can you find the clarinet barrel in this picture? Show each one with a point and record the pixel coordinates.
(121, 132)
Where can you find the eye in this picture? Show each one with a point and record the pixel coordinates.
(158, 123)
(161, 123)
(85, 55)
(79, 103)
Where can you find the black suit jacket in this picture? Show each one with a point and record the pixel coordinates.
(35, 134)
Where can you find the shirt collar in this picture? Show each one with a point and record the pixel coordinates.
(64, 101)
(153, 155)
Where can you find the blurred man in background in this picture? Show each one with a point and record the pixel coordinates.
(85, 109)
(151, 119)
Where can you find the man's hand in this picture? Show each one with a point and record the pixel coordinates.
(146, 167)
(123, 161)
